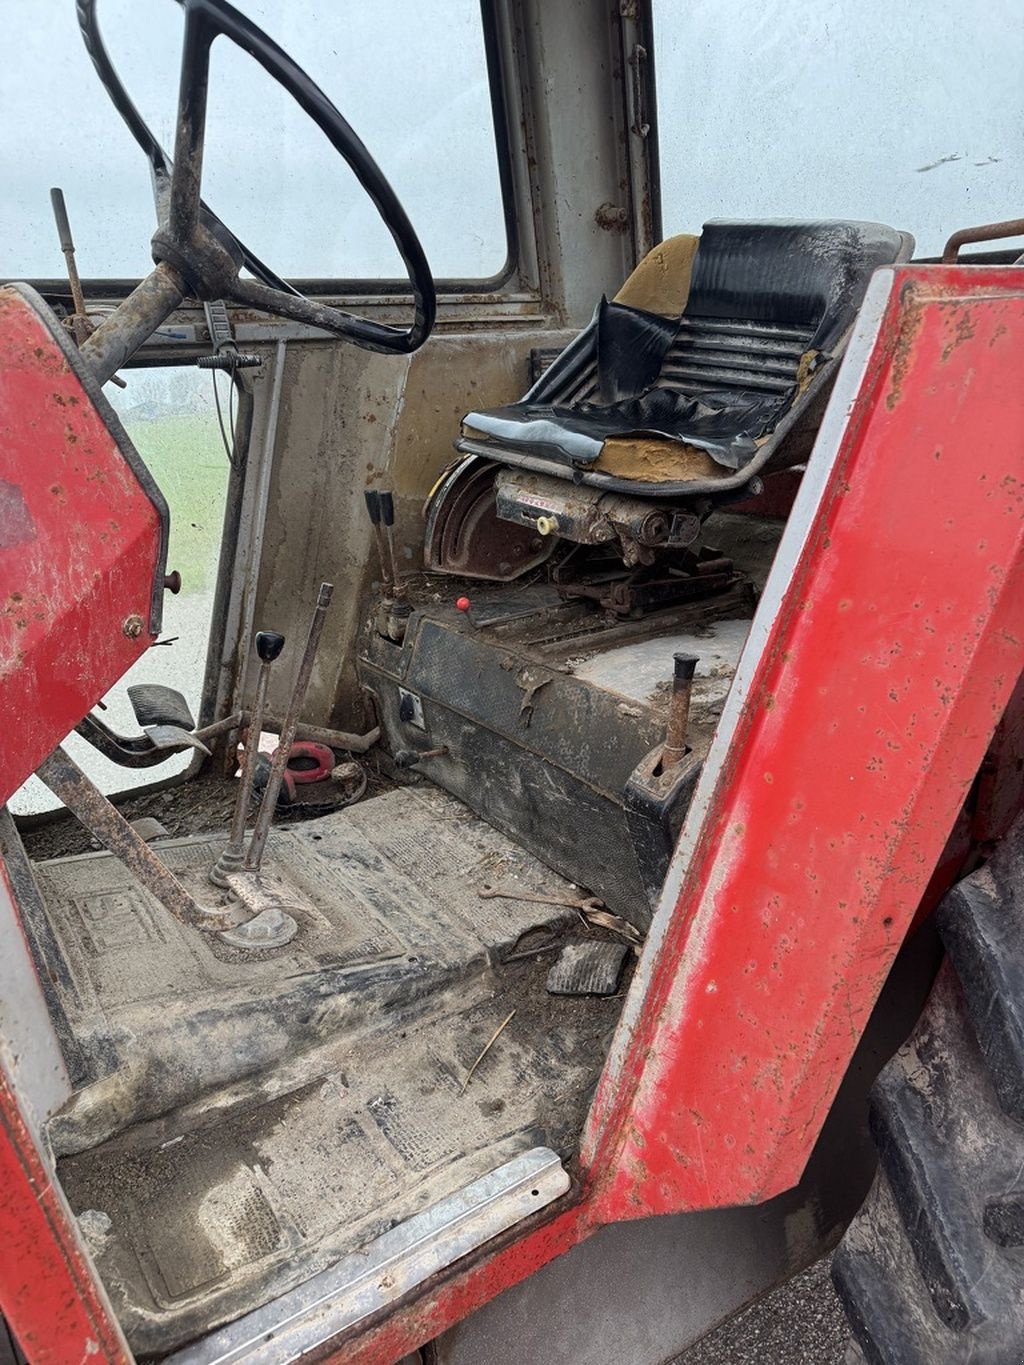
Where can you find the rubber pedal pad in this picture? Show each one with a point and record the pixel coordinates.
(155, 704)
(587, 969)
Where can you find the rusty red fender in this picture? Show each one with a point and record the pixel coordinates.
(885, 651)
(83, 533)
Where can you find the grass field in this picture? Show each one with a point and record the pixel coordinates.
(187, 460)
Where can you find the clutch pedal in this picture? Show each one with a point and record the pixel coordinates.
(155, 704)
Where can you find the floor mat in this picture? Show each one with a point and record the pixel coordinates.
(263, 1118)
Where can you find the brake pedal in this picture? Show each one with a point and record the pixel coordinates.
(155, 704)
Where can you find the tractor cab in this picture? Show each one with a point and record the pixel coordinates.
(377, 1004)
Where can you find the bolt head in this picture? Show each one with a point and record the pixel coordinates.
(133, 626)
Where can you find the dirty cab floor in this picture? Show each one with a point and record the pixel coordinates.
(256, 1117)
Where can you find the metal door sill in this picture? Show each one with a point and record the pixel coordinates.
(386, 1269)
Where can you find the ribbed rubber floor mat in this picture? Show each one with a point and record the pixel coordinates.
(270, 1113)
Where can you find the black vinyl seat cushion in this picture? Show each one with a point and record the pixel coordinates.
(769, 305)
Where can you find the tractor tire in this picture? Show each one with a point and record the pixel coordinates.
(931, 1270)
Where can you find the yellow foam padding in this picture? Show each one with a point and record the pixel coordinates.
(661, 282)
(805, 370)
(653, 459)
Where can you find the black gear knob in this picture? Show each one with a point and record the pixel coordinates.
(268, 645)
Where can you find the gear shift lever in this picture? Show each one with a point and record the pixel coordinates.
(268, 646)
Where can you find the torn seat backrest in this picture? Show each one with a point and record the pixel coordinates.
(768, 299)
(796, 275)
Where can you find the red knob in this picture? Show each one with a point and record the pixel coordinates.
(463, 603)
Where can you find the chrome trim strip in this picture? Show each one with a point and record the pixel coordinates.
(382, 1272)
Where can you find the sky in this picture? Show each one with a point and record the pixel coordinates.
(420, 103)
(906, 112)
(909, 113)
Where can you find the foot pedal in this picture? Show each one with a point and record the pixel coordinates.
(173, 737)
(587, 969)
(155, 704)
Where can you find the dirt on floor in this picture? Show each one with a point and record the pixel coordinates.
(198, 805)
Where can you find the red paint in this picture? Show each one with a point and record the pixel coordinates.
(79, 545)
(319, 755)
(415, 1323)
(48, 1293)
(896, 650)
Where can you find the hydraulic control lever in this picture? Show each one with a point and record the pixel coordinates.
(373, 507)
(387, 516)
(675, 749)
(257, 844)
(395, 610)
(79, 322)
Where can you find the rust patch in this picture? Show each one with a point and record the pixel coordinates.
(904, 348)
(964, 330)
(16, 524)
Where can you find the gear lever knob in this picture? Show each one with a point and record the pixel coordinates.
(268, 645)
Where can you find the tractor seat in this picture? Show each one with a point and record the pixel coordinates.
(712, 363)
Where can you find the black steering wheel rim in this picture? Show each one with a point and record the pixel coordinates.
(179, 181)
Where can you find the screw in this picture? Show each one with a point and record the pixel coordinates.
(132, 626)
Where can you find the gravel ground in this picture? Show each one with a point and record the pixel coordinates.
(801, 1323)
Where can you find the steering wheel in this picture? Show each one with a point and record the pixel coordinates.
(194, 241)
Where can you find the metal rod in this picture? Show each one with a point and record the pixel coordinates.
(316, 734)
(679, 710)
(334, 739)
(258, 842)
(986, 232)
(81, 325)
(80, 321)
(268, 646)
(66, 780)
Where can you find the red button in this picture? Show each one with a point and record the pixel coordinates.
(463, 603)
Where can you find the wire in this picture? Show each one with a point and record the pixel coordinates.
(229, 444)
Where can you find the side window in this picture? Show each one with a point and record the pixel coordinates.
(853, 109)
(411, 76)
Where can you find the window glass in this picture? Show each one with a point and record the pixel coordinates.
(409, 76)
(911, 115)
(170, 415)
